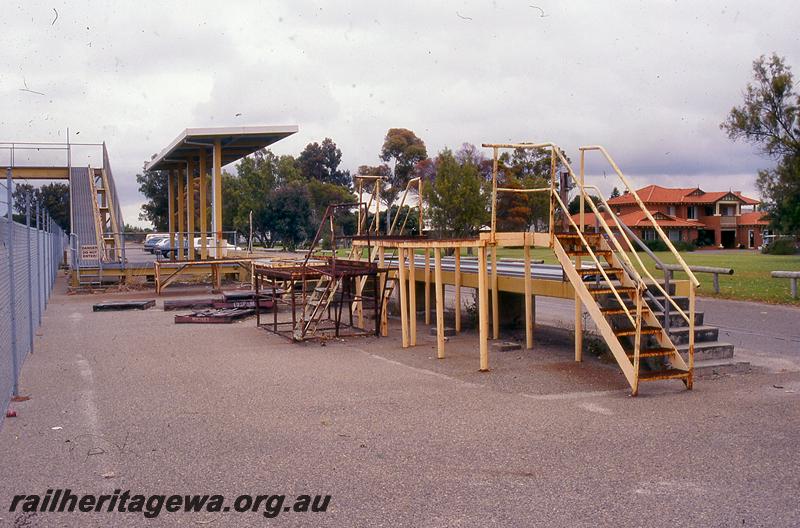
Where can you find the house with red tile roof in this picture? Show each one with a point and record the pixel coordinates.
(692, 215)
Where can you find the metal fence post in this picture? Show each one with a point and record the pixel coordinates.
(30, 269)
(11, 285)
(39, 277)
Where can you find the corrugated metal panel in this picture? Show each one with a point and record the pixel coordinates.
(82, 203)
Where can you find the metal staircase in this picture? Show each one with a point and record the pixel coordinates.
(626, 303)
(616, 287)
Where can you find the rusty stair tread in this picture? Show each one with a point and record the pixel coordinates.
(620, 311)
(595, 271)
(652, 352)
(584, 253)
(646, 330)
(655, 375)
(606, 289)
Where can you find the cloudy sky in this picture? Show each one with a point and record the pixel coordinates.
(651, 80)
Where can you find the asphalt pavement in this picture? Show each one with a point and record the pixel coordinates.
(129, 400)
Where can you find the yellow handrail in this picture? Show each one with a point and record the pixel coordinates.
(642, 206)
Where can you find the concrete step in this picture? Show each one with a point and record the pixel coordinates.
(719, 367)
(682, 302)
(711, 350)
(702, 334)
(677, 320)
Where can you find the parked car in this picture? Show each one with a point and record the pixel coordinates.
(166, 249)
(212, 250)
(150, 243)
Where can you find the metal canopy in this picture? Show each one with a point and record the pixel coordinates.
(237, 142)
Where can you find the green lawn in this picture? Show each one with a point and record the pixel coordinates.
(751, 280)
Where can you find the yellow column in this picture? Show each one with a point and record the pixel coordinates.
(495, 297)
(171, 206)
(427, 287)
(437, 256)
(190, 207)
(384, 308)
(412, 299)
(483, 309)
(203, 207)
(216, 219)
(181, 215)
(457, 281)
(528, 299)
(401, 270)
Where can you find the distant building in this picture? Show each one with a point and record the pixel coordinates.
(692, 215)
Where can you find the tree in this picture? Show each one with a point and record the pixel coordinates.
(770, 119)
(406, 149)
(53, 197)
(290, 214)
(457, 202)
(574, 205)
(154, 185)
(614, 193)
(321, 162)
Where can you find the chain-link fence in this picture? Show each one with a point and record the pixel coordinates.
(31, 250)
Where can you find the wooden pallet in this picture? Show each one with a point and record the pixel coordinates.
(113, 306)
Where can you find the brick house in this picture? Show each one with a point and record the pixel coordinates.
(722, 218)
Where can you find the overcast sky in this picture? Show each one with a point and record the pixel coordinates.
(651, 80)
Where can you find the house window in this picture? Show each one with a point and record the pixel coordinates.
(649, 234)
(674, 235)
(671, 210)
(709, 211)
(691, 212)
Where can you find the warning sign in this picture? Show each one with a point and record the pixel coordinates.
(89, 252)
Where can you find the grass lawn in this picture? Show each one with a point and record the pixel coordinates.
(751, 280)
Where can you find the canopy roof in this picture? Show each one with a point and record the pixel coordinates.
(237, 142)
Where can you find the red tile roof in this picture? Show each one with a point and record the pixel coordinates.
(639, 219)
(692, 195)
(754, 218)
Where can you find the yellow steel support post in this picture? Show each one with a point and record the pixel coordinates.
(578, 305)
(427, 287)
(401, 271)
(412, 299)
(483, 312)
(171, 206)
(203, 206)
(457, 281)
(528, 299)
(692, 300)
(437, 256)
(216, 186)
(181, 215)
(190, 206)
(494, 196)
(495, 297)
(384, 305)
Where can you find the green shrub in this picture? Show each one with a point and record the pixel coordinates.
(684, 246)
(781, 246)
(655, 245)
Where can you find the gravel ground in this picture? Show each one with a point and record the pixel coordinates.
(395, 436)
